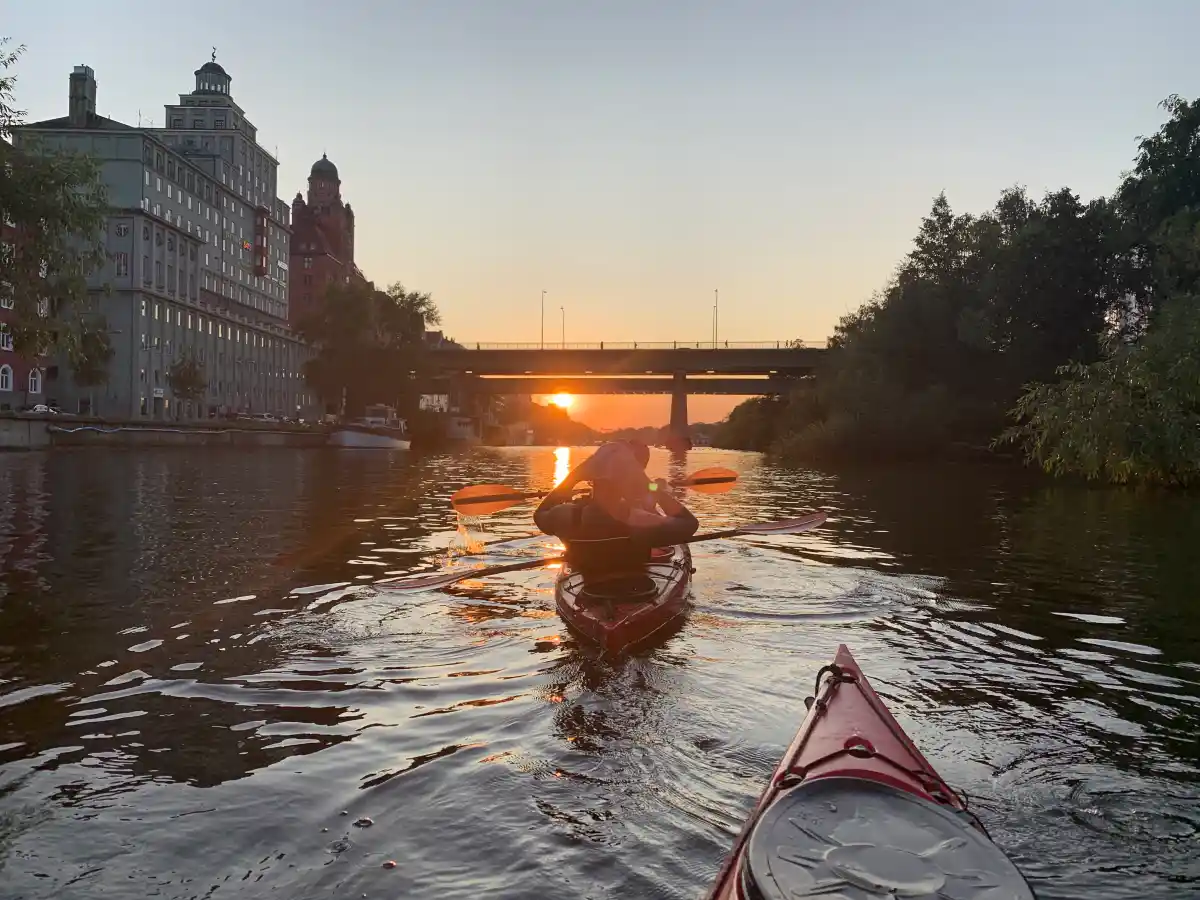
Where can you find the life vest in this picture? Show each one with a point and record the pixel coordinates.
(605, 553)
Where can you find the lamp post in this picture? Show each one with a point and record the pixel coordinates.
(716, 298)
(543, 340)
(564, 326)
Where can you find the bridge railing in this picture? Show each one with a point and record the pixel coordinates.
(648, 345)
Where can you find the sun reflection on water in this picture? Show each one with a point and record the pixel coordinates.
(562, 464)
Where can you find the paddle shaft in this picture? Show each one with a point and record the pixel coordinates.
(432, 581)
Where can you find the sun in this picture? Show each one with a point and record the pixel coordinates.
(562, 401)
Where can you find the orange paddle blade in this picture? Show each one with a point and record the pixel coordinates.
(482, 499)
(713, 480)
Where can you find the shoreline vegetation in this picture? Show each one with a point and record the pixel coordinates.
(1063, 333)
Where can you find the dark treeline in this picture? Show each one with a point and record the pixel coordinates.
(1063, 329)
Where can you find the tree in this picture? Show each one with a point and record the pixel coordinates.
(1133, 416)
(370, 345)
(186, 378)
(57, 207)
(89, 355)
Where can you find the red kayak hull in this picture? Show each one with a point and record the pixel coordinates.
(847, 734)
(619, 624)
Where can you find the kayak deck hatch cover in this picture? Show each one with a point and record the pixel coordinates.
(856, 812)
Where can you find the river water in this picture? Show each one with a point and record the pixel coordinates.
(202, 688)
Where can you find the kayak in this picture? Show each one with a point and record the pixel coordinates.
(619, 611)
(855, 811)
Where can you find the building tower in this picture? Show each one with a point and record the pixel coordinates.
(322, 239)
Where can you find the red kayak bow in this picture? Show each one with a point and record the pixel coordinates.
(856, 811)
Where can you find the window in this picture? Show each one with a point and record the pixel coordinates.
(121, 264)
(177, 121)
(308, 262)
(158, 280)
(158, 238)
(35, 381)
(5, 378)
(142, 406)
(218, 123)
(197, 123)
(145, 277)
(5, 337)
(143, 340)
(171, 242)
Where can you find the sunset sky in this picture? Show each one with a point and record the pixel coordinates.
(630, 157)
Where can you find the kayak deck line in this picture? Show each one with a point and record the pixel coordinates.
(874, 762)
(854, 810)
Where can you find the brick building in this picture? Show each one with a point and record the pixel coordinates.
(22, 380)
(322, 251)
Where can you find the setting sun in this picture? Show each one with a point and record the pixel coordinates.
(562, 401)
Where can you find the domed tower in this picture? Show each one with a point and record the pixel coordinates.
(324, 186)
(212, 79)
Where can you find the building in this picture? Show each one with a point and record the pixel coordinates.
(322, 239)
(22, 380)
(198, 249)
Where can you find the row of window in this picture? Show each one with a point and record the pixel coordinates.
(228, 332)
(34, 383)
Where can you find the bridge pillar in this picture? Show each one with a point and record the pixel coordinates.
(677, 437)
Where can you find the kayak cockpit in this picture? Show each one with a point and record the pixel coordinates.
(851, 838)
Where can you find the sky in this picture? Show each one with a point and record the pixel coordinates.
(629, 157)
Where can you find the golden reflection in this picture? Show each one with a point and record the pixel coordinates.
(562, 464)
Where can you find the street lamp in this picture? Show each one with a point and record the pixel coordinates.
(543, 341)
(564, 327)
(716, 298)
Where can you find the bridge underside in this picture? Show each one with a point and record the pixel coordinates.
(584, 386)
(731, 370)
(693, 361)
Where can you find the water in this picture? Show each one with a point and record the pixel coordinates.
(202, 688)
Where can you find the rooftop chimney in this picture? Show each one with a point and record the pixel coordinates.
(82, 104)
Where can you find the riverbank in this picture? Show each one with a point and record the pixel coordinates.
(40, 432)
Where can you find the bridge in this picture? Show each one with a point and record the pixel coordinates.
(677, 368)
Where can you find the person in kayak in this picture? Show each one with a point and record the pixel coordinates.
(626, 516)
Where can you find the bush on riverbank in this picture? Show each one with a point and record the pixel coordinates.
(1034, 310)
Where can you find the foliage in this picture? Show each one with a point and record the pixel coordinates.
(89, 351)
(369, 345)
(1055, 311)
(1134, 416)
(750, 426)
(186, 378)
(981, 305)
(57, 206)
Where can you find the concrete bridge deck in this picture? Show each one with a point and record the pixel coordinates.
(697, 358)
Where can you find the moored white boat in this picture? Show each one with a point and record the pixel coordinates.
(378, 429)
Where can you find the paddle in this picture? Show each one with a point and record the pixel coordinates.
(483, 499)
(435, 580)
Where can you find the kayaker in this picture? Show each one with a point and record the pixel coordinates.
(625, 518)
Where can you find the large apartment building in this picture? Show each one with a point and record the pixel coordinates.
(198, 248)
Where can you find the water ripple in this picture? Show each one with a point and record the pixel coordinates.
(1037, 643)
